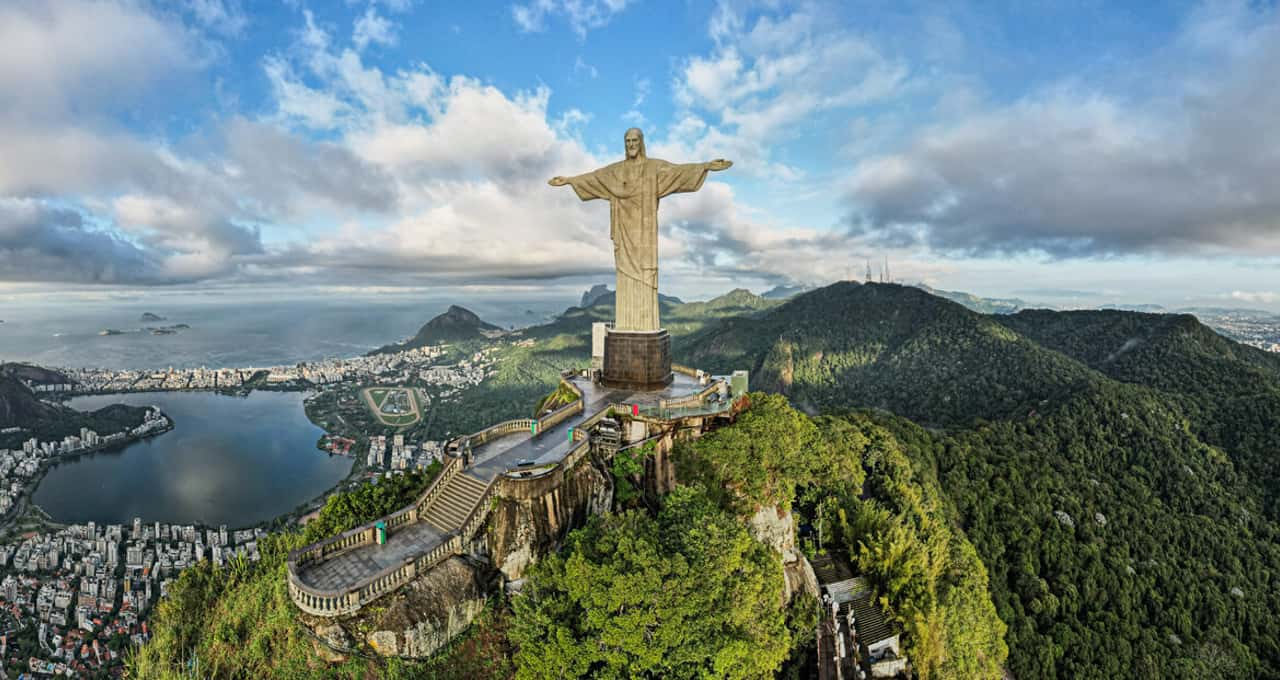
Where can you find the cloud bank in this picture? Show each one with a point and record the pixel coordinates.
(1077, 171)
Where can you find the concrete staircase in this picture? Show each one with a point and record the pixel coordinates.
(455, 502)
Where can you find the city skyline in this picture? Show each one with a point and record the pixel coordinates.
(1076, 156)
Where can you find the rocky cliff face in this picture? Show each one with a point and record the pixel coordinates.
(776, 528)
(415, 621)
(530, 520)
(533, 517)
(770, 525)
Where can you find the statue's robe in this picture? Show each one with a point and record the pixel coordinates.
(633, 188)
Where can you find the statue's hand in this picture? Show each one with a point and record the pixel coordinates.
(719, 164)
(557, 181)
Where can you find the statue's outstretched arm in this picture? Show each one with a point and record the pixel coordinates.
(719, 164)
(588, 186)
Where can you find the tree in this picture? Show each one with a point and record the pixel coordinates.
(688, 594)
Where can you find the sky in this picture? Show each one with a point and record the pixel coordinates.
(1072, 153)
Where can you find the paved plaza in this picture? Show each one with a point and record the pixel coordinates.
(341, 571)
(489, 460)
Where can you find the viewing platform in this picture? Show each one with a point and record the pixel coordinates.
(341, 574)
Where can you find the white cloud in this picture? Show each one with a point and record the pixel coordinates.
(642, 92)
(1078, 171)
(580, 66)
(370, 28)
(766, 77)
(299, 103)
(1264, 297)
(57, 55)
(582, 15)
(471, 164)
(427, 177)
(223, 16)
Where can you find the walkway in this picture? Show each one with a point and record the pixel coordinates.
(337, 572)
(458, 498)
(496, 457)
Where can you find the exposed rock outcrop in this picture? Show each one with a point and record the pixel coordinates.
(418, 619)
(775, 528)
(533, 516)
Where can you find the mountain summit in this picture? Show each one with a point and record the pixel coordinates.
(455, 325)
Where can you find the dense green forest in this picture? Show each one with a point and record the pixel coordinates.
(1116, 471)
(686, 592)
(891, 347)
(1058, 494)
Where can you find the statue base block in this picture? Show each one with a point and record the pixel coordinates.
(638, 360)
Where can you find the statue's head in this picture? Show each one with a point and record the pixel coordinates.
(634, 140)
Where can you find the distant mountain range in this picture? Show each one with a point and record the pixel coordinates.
(976, 303)
(601, 294)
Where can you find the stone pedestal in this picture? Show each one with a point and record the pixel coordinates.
(639, 360)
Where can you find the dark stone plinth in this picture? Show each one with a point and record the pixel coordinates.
(638, 360)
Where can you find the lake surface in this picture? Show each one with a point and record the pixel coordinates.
(229, 460)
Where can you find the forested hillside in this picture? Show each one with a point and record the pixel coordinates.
(892, 347)
(20, 407)
(686, 592)
(1230, 390)
(1116, 470)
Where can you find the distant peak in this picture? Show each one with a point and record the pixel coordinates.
(592, 296)
(456, 311)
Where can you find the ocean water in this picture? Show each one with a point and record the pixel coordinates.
(235, 332)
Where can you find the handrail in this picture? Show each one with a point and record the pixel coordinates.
(323, 602)
(479, 511)
(299, 555)
(685, 370)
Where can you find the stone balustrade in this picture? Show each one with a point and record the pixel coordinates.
(349, 600)
(545, 423)
(452, 467)
(502, 429)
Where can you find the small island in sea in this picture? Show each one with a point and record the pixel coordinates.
(150, 317)
(154, 330)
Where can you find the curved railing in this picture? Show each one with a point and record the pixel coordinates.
(501, 430)
(567, 411)
(348, 600)
(685, 370)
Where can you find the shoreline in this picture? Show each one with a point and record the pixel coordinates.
(274, 523)
(26, 501)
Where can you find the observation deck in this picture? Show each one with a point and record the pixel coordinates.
(339, 575)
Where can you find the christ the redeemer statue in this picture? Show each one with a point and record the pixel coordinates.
(633, 187)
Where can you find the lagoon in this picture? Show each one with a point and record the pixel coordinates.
(228, 460)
